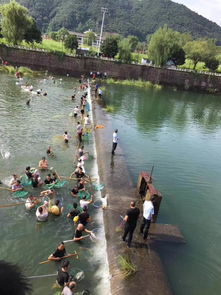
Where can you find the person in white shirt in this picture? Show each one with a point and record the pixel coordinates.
(148, 212)
(85, 203)
(115, 141)
(76, 111)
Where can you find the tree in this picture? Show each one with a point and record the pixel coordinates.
(125, 51)
(62, 34)
(32, 33)
(200, 50)
(53, 35)
(178, 56)
(1, 36)
(90, 38)
(141, 47)
(165, 44)
(212, 63)
(15, 21)
(71, 42)
(109, 48)
(133, 40)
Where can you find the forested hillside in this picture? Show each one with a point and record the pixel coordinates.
(128, 17)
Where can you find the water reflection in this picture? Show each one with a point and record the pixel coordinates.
(154, 109)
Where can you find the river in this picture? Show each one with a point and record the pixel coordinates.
(25, 133)
(179, 133)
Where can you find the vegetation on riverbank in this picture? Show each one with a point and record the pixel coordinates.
(26, 72)
(137, 83)
(126, 266)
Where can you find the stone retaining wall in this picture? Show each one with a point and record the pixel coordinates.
(75, 66)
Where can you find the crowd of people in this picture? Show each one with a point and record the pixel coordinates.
(47, 203)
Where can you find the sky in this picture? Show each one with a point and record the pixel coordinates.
(210, 9)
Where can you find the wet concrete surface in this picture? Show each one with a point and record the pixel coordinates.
(150, 277)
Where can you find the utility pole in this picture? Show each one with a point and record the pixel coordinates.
(104, 11)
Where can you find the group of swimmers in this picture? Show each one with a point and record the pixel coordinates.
(47, 203)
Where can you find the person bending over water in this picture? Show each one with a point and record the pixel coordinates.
(14, 179)
(74, 212)
(57, 208)
(42, 212)
(49, 152)
(48, 179)
(43, 164)
(78, 236)
(31, 202)
(66, 137)
(17, 186)
(59, 253)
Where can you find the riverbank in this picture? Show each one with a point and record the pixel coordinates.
(149, 277)
(76, 66)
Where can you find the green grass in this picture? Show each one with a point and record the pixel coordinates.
(109, 109)
(10, 70)
(137, 83)
(126, 266)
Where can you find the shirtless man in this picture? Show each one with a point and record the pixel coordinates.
(43, 164)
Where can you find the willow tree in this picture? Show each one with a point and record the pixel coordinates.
(165, 44)
(15, 21)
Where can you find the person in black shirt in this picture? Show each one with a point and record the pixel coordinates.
(59, 253)
(79, 173)
(63, 275)
(81, 186)
(74, 192)
(74, 212)
(48, 179)
(78, 236)
(84, 216)
(130, 219)
(28, 172)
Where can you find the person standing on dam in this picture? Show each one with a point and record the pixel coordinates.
(115, 141)
(130, 219)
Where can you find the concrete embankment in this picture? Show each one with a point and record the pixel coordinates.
(150, 277)
(75, 66)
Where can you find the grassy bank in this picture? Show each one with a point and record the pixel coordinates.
(10, 70)
(137, 83)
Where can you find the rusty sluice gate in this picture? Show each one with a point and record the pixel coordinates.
(158, 232)
(148, 192)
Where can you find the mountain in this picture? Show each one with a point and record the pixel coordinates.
(127, 17)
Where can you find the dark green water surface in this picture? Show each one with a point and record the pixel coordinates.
(25, 133)
(180, 133)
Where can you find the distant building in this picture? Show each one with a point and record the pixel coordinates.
(81, 37)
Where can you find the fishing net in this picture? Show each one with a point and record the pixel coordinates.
(98, 187)
(58, 184)
(20, 194)
(82, 194)
(25, 181)
(120, 226)
(77, 274)
(97, 234)
(97, 204)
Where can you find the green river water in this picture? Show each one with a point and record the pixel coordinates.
(25, 133)
(180, 133)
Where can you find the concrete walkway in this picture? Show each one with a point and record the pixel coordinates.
(150, 277)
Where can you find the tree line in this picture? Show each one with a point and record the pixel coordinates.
(163, 46)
